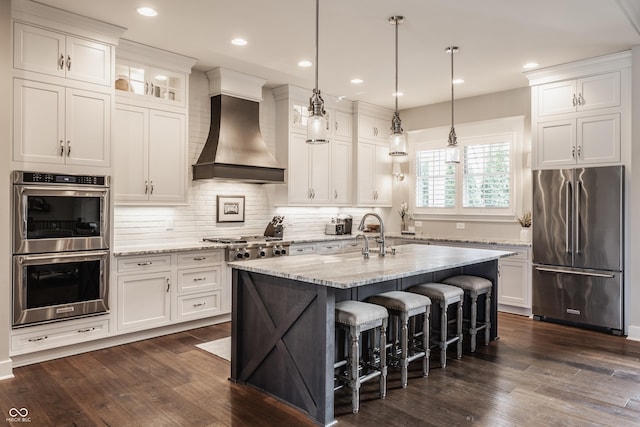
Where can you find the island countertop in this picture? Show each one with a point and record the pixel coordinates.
(349, 270)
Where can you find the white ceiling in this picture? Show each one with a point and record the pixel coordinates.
(496, 37)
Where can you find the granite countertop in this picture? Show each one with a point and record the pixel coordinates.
(455, 239)
(165, 247)
(350, 270)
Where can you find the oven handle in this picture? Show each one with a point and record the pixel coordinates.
(65, 255)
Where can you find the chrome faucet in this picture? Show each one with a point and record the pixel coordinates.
(381, 239)
(365, 249)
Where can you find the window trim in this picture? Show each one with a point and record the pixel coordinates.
(434, 138)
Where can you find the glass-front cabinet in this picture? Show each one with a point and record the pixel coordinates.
(137, 80)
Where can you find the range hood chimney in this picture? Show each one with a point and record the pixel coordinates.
(234, 148)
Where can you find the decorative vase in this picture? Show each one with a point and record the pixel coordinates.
(525, 235)
(403, 225)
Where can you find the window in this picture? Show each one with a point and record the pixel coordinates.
(485, 182)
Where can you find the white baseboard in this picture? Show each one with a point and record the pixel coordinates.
(634, 333)
(514, 310)
(6, 369)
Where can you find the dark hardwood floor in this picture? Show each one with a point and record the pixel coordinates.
(536, 374)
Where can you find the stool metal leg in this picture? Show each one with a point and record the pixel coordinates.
(443, 334)
(460, 329)
(425, 343)
(383, 359)
(474, 321)
(354, 380)
(487, 318)
(404, 352)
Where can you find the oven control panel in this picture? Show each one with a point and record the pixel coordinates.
(52, 178)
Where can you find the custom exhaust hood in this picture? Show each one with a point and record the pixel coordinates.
(235, 149)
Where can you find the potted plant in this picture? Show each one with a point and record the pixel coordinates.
(525, 223)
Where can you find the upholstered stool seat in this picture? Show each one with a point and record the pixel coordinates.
(403, 306)
(445, 296)
(357, 317)
(473, 287)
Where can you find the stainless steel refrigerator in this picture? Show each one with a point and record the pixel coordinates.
(578, 246)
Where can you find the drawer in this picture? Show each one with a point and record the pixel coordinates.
(200, 258)
(200, 305)
(144, 263)
(199, 279)
(302, 249)
(329, 247)
(58, 335)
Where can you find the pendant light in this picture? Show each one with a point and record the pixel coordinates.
(397, 139)
(453, 151)
(317, 122)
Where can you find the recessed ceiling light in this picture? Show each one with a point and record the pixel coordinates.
(239, 42)
(147, 11)
(458, 81)
(398, 94)
(529, 65)
(305, 64)
(356, 81)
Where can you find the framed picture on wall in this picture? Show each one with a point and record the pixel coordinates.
(230, 209)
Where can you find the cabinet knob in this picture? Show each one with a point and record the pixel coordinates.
(574, 100)
(579, 151)
(61, 148)
(573, 151)
(68, 148)
(151, 185)
(168, 285)
(68, 62)
(580, 99)
(146, 187)
(61, 62)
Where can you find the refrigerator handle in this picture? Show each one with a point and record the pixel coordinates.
(580, 273)
(566, 216)
(577, 217)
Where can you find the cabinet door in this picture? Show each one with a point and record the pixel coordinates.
(88, 61)
(38, 122)
(366, 172)
(319, 167)
(144, 301)
(557, 98)
(131, 139)
(88, 128)
(342, 124)
(298, 181)
(513, 283)
(599, 139)
(382, 176)
(366, 126)
(39, 50)
(167, 148)
(598, 92)
(341, 172)
(556, 143)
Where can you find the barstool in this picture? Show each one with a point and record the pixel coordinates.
(357, 317)
(474, 286)
(401, 307)
(445, 295)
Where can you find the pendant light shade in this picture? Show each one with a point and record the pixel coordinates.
(397, 139)
(317, 123)
(453, 151)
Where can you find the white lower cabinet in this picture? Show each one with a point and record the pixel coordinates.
(514, 282)
(158, 290)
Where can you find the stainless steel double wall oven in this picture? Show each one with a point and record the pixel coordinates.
(60, 246)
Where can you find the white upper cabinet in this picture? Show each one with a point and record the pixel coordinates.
(54, 124)
(61, 55)
(580, 112)
(317, 175)
(590, 93)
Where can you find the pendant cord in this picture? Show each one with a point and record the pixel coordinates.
(317, 39)
(396, 94)
(451, 49)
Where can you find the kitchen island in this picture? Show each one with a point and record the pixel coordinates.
(282, 334)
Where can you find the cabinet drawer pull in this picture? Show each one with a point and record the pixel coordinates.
(61, 148)
(68, 148)
(200, 258)
(574, 100)
(42, 338)
(168, 285)
(145, 263)
(151, 185)
(198, 279)
(61, 62)
(146, 187)
(82, 331)
(200, 304)
(68, 62)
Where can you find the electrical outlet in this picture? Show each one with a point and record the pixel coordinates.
(168, 223)
(460, 225)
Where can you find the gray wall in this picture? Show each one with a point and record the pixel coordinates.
(514, 102)
(5, 155)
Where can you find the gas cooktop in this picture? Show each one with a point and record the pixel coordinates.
(242, 239)
(251, 247)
